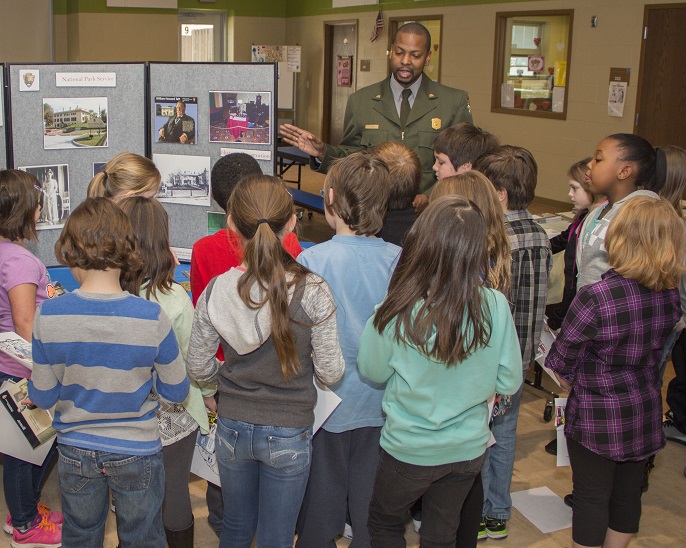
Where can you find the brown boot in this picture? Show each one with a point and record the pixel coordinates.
(180, 539)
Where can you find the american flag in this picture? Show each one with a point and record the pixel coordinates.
(378, 25)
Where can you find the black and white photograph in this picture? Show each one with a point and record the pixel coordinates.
(175, 120)
(54, 194)
(185, 179)
(240, 117)
(74, 122)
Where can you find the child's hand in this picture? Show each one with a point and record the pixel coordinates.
(28, 403)
(210, 403)
(566, 386)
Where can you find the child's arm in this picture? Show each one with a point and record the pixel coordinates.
(318, 302)
(577, 333)
(509, 377)
(44, 386)
(375, 353)
(200, 361)
(171, 382)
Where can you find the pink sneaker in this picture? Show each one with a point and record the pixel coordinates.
(43, 510)
(43, 534)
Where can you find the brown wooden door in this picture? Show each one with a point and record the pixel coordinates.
(661, 101)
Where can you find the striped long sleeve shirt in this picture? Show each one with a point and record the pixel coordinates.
(99, 359)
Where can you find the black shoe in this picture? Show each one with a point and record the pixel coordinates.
(551, 447)
(569, 500)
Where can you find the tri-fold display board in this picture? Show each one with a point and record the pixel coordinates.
(64, 122)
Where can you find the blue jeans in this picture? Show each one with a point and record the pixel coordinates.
(137, 484)
(23, 481)
(496, 473)
(263, 472)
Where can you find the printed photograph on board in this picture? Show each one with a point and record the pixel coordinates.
(240, 117)
(175, 120)
(54, 194)
(74, 122)
(98, 167)
(185, 179)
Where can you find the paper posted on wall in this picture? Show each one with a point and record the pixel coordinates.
(16, 347)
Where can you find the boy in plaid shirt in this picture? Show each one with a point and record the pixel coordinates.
(513, 172)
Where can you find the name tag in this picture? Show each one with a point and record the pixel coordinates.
(371, 126)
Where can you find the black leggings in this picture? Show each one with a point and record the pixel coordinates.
(607, 494)
(177, 513)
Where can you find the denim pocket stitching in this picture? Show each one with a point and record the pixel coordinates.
(71, 478)
(141, 475)
(226, 437)
(299, 456)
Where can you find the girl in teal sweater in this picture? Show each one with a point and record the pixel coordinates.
(444, 343)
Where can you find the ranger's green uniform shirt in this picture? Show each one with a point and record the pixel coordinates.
(371, 117)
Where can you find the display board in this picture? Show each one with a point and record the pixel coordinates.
(3, 141)
(66, 121)
(198, 113)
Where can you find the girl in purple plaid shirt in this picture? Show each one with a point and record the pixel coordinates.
(607, 357)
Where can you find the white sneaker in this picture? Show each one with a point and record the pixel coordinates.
(417, 524)
(348, 531)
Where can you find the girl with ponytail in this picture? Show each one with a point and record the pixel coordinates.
(276, 323)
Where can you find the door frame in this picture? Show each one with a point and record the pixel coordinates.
(646, 13)
(330, 68)
(223, 31)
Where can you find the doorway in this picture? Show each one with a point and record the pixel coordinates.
(660, 108)
(202, 36)
(340, 40)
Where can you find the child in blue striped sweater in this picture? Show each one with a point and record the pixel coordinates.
(99, 355)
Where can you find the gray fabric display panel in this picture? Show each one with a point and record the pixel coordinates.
(227, 106)
(3, 122)
(62, 146)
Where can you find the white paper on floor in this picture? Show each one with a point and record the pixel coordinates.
(543, 508)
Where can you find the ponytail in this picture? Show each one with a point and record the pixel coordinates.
(261, 208)
(97, 187)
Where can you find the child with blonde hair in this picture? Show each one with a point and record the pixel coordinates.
(607, 356)
(127, 174)
(476, 187)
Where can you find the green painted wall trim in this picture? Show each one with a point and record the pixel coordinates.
(241, 8)
(304, 8)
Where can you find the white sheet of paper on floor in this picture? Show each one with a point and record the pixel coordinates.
(543, 508)
(17, 446)
(562, 452)
(204, 464)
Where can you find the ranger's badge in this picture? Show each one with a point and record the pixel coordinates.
(436, 123)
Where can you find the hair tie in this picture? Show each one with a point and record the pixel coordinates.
(262, 221)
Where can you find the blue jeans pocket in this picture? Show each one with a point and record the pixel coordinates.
(291, 455)
(130, 474)
(72, 479)
(225, 443)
